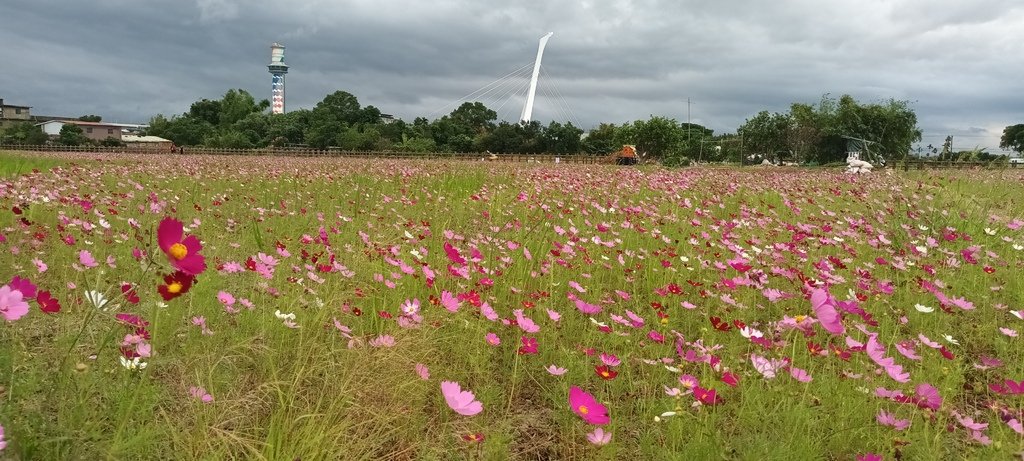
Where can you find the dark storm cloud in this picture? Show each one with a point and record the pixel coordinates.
(614, 61)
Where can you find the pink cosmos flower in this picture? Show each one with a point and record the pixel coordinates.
(383, 341)
(888, 419)
(226, 298)
(86, 258)
(183, 252)
(12, 304)
(587, 407)
(40, 265)
(599, 437)
(554, 316)
(587, 308)
(869, 457)
(449, 301)
(492, 339)
(556, 370)
(525, 323)
(200, 393)
(800, 374)
(423, 371)
(610, 360)
(3, 443)
(460, 401)
(826, 312)
(1008, 386)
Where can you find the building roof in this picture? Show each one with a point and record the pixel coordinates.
(134, 138)
(17, 106)
(79, 122)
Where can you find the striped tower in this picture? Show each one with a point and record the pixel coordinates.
(277, 69)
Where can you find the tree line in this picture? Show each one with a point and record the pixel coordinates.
(807, 133)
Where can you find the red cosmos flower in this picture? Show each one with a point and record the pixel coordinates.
(183, 252)
(605, 372)
(706, 396)
(129, 293)
(529, 346)
(719, 324)
(47, 303)
(477, 437)
(175, 285)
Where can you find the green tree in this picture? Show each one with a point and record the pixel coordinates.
(340, 106)
(238, 104)
(287, 128)
(183, 130)
(111, 141)
(228, 139)
(765, 134)
(90, 118)
(71, 135)
(601, 140)
(205, 110)
(255, 127)
(1013, 138)
(891, 125)
(562, 139)
(24, 133)
(475, 116)
(658, 137)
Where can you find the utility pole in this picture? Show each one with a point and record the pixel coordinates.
(688, 127)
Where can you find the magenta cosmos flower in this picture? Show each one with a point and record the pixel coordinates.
(183, 252)
(587, 407)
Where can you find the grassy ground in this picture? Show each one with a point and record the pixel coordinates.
(665, 239)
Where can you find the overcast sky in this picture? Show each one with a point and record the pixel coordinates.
(958, 62)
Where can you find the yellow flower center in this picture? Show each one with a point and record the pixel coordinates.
(178, 251)
(800, 318)
(174, 287)
(583, 409)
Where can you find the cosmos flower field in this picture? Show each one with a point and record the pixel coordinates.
(189, 307)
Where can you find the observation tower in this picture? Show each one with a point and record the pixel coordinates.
(277, 69)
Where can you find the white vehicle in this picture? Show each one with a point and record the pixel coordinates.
(1017, 160)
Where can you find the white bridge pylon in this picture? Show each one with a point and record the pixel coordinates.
(528, 108)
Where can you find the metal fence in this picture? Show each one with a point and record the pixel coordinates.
(308, 152)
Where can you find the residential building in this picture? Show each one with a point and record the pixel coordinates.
(11, 114)
(96, 131)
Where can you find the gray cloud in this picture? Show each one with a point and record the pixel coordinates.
(610, 60)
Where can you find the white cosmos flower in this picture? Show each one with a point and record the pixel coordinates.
(922, 227)
(950, 340)
(921, 249)
(408, 235)
(748, 332)
(1018, 247)
(288, 316)
(133, 364)
(923, 308)
(98, 300)
(673, 369)
(990, 231)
